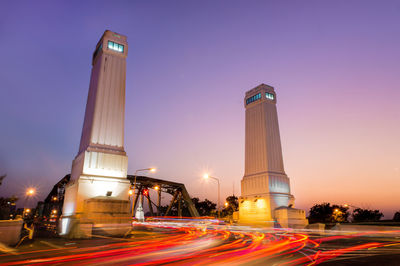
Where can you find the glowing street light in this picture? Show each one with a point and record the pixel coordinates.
(226, 204)
(346, 205)
(130, 192)
(30, 191)
(157, 188)
(207, 176)
(152, 169)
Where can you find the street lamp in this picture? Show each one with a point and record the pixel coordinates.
(207, 176)
(152, 169)
(30, 191)
(142, 170)
(346, 205)
(158, 189)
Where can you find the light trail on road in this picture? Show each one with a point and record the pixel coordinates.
(205, 243)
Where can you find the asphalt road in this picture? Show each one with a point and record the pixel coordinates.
(207, 244)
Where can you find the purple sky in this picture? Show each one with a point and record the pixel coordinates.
(335, 67)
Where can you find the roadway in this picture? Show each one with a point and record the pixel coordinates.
(208, 243)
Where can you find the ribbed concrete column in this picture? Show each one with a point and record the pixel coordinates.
(265, 185)
(99, 171)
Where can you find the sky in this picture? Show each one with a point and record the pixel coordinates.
(335, 66)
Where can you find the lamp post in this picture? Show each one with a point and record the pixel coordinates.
(346, 205)
(134, 185)
(158, 189)
(29, 192)
(207, 176)
(352, 206)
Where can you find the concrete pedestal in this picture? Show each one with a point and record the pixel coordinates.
(101, 215)
(319, 227)
(10, 231)
(110, 217)
(255, 211)
(288, 217)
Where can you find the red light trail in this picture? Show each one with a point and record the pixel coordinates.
(205, 244)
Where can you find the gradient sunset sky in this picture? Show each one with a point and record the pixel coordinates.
(335, 66)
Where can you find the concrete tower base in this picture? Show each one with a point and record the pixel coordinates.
(255, 211)
(101, 216)
(86, 213)
(290, 217)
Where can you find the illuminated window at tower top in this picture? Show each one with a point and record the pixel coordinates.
(115, 46)
(269, 96)
(253, 98)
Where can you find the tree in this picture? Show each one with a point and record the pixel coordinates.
(7, 207)
(396, 216)
(327, 213)
(205, 208)
(233, 205)
(1, 178)
(365, 215)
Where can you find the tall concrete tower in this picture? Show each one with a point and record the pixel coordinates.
(265, 185)
(98, 190)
